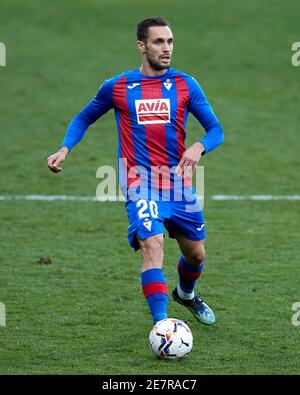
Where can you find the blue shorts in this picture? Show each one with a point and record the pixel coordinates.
(149, 217)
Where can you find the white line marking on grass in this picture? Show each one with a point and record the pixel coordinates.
(255, 197)
(51, 198)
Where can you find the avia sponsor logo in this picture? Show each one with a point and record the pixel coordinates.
(152, 111)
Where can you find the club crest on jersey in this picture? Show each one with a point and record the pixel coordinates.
(168, 84)
(150, 111)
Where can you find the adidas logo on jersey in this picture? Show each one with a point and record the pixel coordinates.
(153, 111)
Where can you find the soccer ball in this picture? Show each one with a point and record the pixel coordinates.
(171, 339)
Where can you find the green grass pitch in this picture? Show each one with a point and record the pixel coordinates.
(85, 313)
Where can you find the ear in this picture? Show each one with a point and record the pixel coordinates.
(141, 46)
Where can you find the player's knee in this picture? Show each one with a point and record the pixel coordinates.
(196, 256)
(152, 252)
(153, 243)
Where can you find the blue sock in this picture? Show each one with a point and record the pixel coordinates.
(156, 292)
(188, 275)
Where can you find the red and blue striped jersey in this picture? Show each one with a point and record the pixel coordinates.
(151, 114)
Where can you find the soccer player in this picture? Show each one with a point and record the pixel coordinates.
(151, 105)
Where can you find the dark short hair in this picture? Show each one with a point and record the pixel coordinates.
(143, 26)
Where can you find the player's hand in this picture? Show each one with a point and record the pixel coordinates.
(56, 159)
(190, 159)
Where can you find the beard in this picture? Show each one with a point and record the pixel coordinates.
(155, 64)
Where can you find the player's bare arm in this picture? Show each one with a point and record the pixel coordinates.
(56, 159)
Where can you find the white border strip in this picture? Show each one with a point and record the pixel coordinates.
(51, 198)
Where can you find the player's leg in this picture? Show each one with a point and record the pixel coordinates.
(146, 233)
(187, 225)
(190, 267)
(152, 278)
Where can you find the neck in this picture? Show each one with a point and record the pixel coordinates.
(146, 69)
